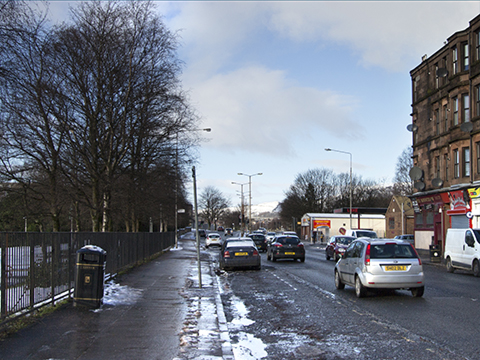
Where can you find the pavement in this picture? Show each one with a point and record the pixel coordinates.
(155, 311)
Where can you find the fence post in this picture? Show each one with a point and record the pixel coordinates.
(32, 271)
(3, 286)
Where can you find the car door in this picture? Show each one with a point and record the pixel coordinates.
(469, 249)
(344, 264)
(356, 260)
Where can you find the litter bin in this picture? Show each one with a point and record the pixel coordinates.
(89, 276)
(435, 255)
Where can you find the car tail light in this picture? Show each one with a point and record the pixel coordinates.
(418, 257)
(255, 253)
(226, 254)
(367, 255)
(278, 245)
(300, 245)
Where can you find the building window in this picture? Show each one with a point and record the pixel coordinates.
(419, 219)
(437, 167)
(437, 121)
(465, 56)
(455, 60)
(455, 110)
(477, 100)
(456, 164)
(478, 156)
(466, 108)
(446, 166)
(477, 44)
(466, 162)
(391, 223)
(436, 76)
(445, 117)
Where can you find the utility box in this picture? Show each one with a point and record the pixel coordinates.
(89, 276)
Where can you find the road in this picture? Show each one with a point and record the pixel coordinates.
(292, 310)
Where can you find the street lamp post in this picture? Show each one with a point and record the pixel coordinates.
(241, 194)
(346, 152)
(250, 199)
(176, 181)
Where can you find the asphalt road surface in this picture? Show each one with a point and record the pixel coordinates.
(292, 310)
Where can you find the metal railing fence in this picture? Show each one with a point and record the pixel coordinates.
(38, 268)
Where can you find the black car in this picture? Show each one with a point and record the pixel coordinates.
(259, 240)
(239, 253)
(286, 247)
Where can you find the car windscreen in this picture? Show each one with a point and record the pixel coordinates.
(392, 251)
(344, 241)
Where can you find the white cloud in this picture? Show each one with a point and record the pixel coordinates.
(385, 34)
(258, 109)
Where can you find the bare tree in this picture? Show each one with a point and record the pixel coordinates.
(403, 184)
(213, 204)
(94, 107)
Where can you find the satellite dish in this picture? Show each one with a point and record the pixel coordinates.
(412, 127)
(442, 72)
(419, 185)
(437, 182)
(416, 173)
(466, 127)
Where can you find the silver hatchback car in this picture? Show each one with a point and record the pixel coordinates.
(380, 264)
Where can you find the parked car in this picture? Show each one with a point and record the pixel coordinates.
(462, 250)
(220, 228)
(213, 239)
(202, 233)
(380, 264)
(286, 247)
(337, 246)
(361, 233)
(240, 254)
(228, 231)
(260, 241)
(409, 238)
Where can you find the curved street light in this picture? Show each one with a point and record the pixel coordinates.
(346, 152)
(176, 180)
(250, 201)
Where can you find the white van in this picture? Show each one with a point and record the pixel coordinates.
(462, 250)
(362, 233)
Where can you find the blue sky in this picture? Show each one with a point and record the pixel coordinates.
(280, 81)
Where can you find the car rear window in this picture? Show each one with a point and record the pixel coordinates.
(289, 240)
(392, 251)
(257, 237)
(370, 234)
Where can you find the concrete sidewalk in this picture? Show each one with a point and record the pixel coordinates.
(156, 311)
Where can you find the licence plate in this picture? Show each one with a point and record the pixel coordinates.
(241, 254)
(289, 253)
(395, 268)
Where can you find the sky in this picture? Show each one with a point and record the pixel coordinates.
(280, 81)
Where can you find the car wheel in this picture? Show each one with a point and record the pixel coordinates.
(449, 265)
(476, 268)
(258, 267)
(327, 256)
(418, 292)
(302, 259)
(360, 290)
(274, 258)
(338, 282)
